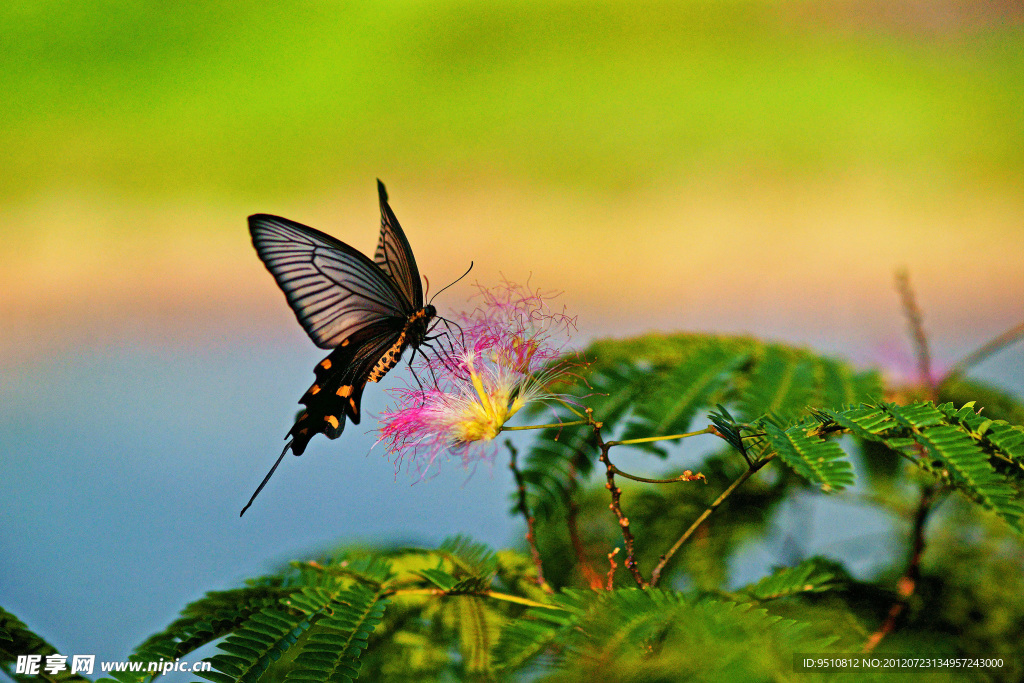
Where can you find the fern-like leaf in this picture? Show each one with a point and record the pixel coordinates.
(16, 639)
(539, 630)
(215, 615)
(782, 383)
(817, 460)
(810, 576)
(335, 643)
(250, 649)
(954, 445)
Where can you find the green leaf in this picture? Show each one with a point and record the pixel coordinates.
(478, 628)
(262, 639)
(205, 620)
(675, 399)
(817, 460)
(538, 630)
(333, 648)
(16, 639)
(956, 446)
(782, 383)
(810, 576)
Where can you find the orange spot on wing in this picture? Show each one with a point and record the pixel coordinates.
(326, 363)
(331, 420)
(345, 391)
(355, 408)
(314, 390)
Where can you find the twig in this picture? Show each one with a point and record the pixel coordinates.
(753, 469)
(908, 582)
(914, 319)
(649, 439)
(687, 475)
(594, 579)
(531, 538)
(616, 506)
(484, 593)
(610, 585)
(998, 344)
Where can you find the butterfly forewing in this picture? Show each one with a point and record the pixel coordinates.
(394, 255)
(334, 290)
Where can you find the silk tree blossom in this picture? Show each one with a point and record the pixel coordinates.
(510, 350)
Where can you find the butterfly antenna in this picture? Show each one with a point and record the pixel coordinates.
(266, 478)
(427, 280)
(446, 287)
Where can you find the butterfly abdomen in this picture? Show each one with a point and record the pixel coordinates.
(389, 359)
(413, 333)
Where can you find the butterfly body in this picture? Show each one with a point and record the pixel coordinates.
(368, 311)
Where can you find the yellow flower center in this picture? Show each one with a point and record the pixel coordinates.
(484, 418)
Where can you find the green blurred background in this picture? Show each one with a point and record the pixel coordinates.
(749, 165)
(758, 167)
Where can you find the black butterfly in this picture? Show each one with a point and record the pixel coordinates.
(369, 312)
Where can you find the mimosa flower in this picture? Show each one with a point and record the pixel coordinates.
(505, 357)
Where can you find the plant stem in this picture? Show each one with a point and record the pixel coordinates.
(915, 320)
(998, 344)
(553, 424)
(753, 469)
(594, 580)
(531, 538)
(908, 582)
(648, 439)
(616, 506)
(685, 476)
(486, 594)
(612, 566)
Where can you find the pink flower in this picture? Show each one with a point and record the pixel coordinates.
(506, 356)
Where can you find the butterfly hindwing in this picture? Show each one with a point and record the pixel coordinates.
(336, 394)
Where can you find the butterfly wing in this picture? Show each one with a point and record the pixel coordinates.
(340, 379)
(394, 255)
(360, 308)
(334, 290)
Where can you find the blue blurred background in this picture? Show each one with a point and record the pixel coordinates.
(738, 167)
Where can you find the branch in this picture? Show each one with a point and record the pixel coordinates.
(687, 475)
(649, 439)
(595, 580)
(751, 471)
(908, 582)
(914, 319)
(616, 506)
(612, 566)
(531, 538)
(998, 344)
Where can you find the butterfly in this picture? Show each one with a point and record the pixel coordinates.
(369, 312)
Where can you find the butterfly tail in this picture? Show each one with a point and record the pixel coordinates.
(266, 478)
